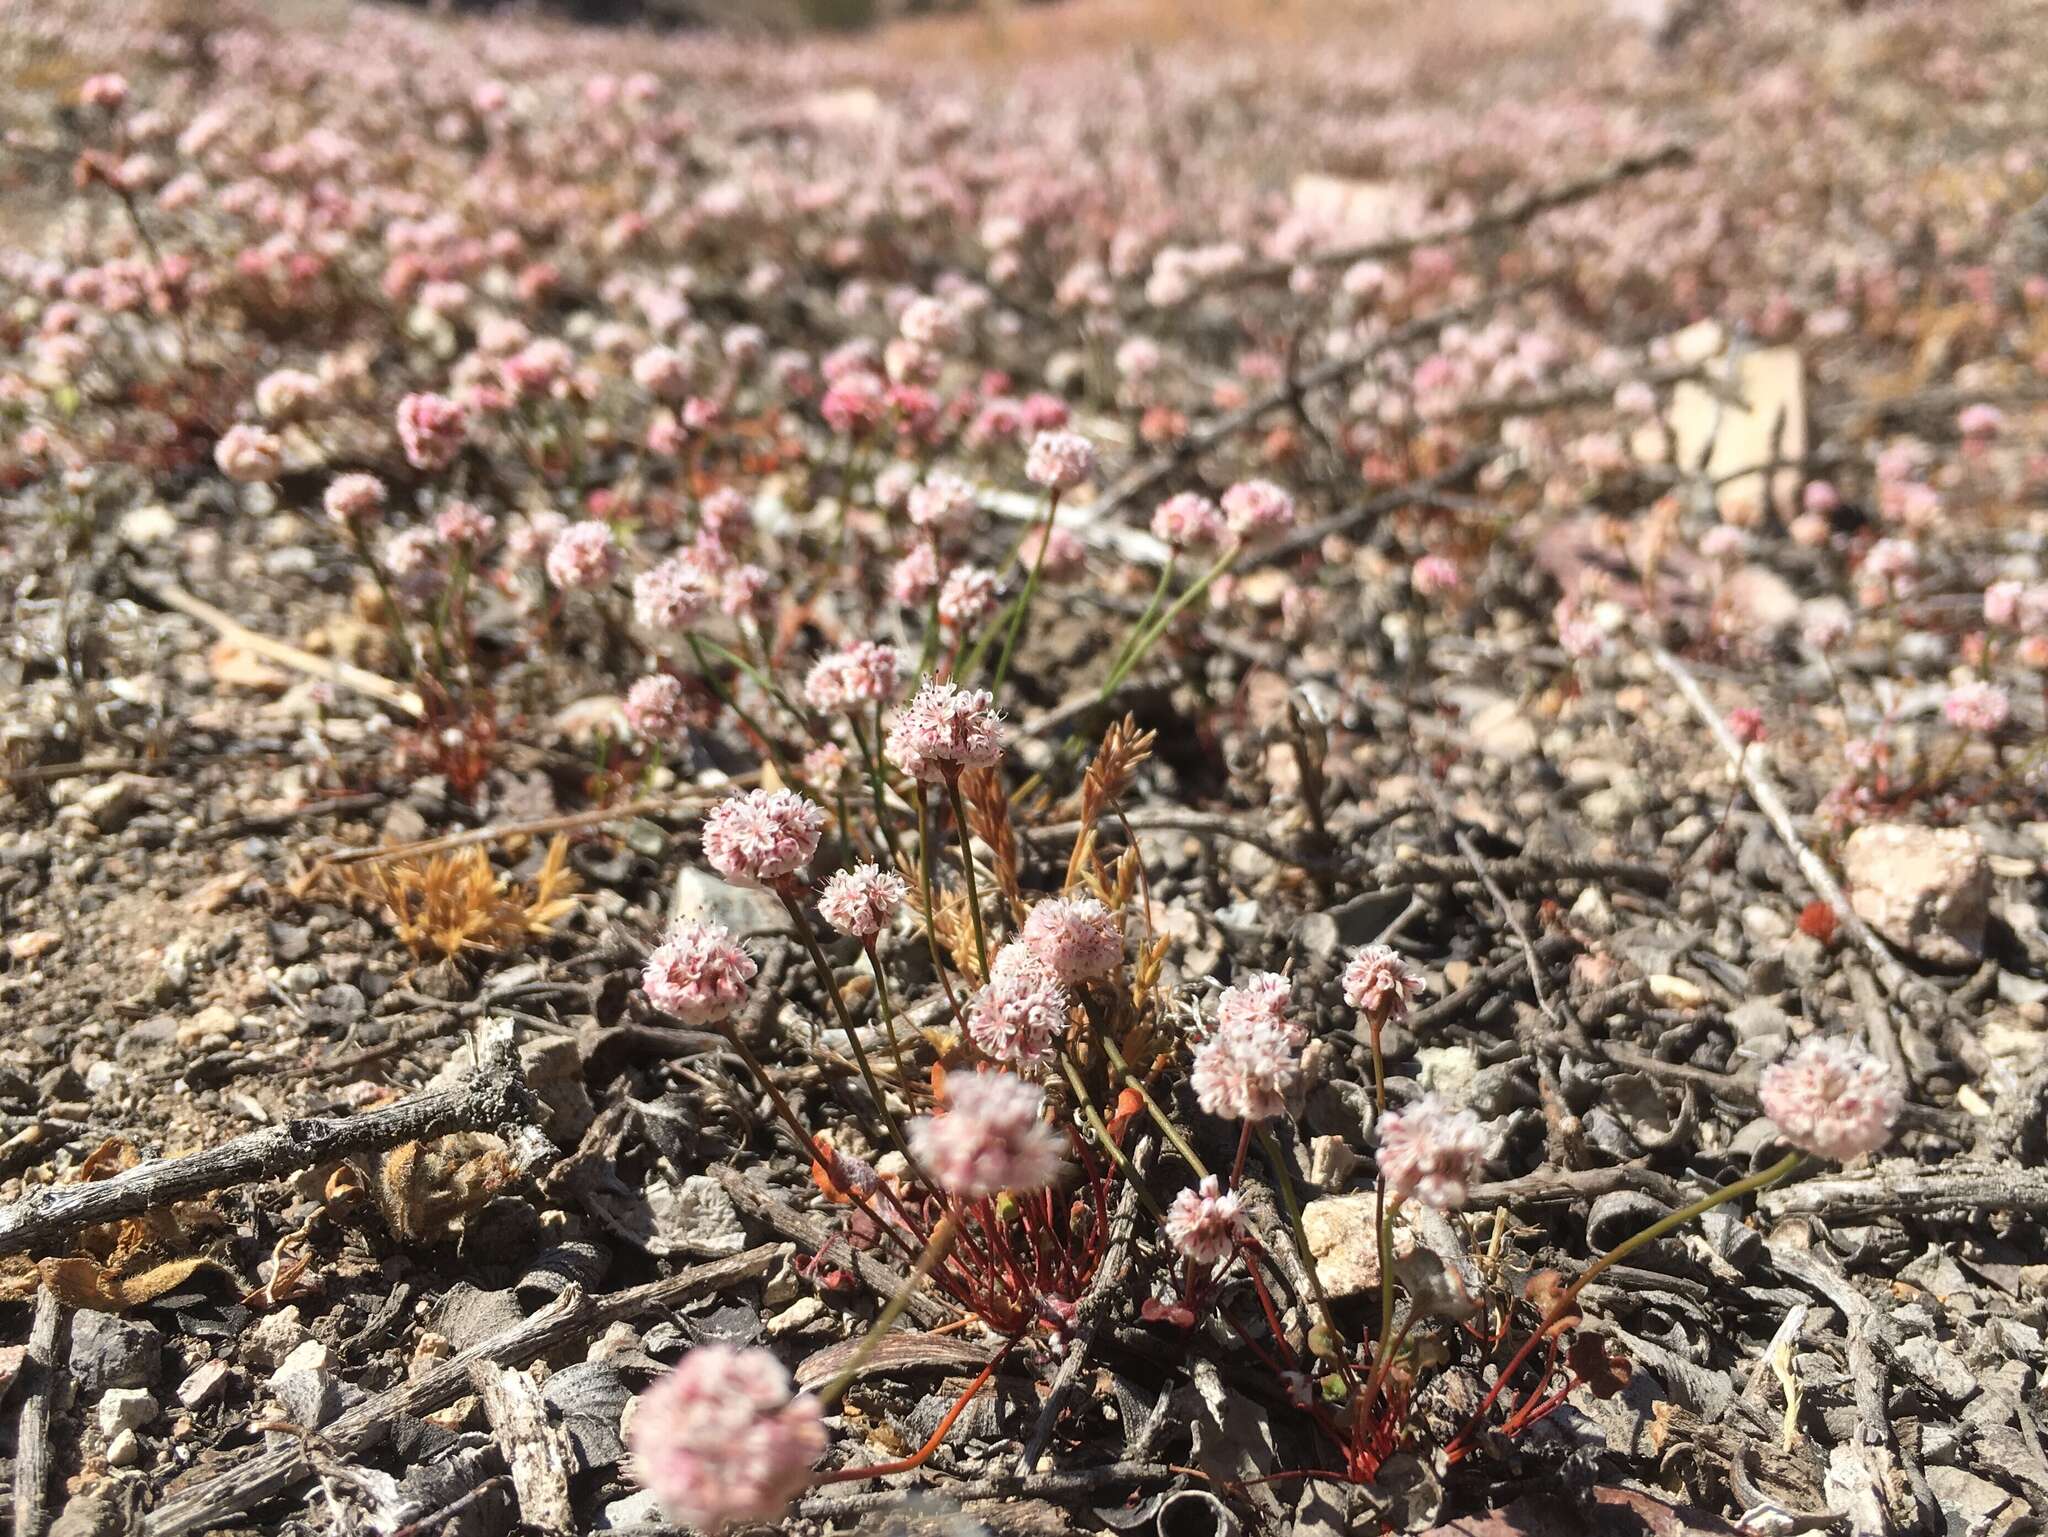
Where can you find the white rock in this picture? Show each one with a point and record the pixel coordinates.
(124, 1450)
(800, 1314)
(125, 1409)
(204, 1383)
(1925, 889)
(1345, 1243)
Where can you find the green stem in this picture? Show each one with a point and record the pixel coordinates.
(1164, 622)
(967, 864)
(934, 1252)
(886, 1007)
(924, 881)
(394, 615)
(1152, 1106)
(1116, 1154)
(1144, 620)
(731, 700)
(1284, 1182)
(1052, 507)
(871, 756)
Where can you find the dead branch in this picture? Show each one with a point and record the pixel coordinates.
(32, 1432)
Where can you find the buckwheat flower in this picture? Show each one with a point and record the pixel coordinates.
(943, 730)
(249, 454)
(744, 345)
(1257, 509)
(1429, 1153)
(1724, 542)
(534, 537)
(1204, 1223)
(763, 837)
(1981, 420)
(842, 681)
(1138, 358)
(583, 555)
(353, 500)
(912, 578)
(1045, 413)
(944, 503)
(108, 91)
(1246, 1070)
(1016, 1016)
(1433, 575)
(1378, 983)
(432, 429)
(1825, 623)
(825, 766)
(725, 1440)
(1059, 460)
(1263, 998)
(664, 373)
(1188, 521)
(1075, 939)
(740, 589)
(288, 394)
(672, 595)
(991, 1138)
(658, 709)
(894, 484)
(464, 523)
(1977, 706)
(1831, 1097)
(1065, 555)
(968, 593)
(1892, 560)
(1746, 725)
(929, 323)
(862, 901)
(2002, 603)
(1820, 496)
(725, 515)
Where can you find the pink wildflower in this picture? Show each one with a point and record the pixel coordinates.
(2002, 603)
(1832, 1098)
(1074, 939)
(991, 1137)
(583, 555)
(108, 91)
(762, 838)
(658, 709)
(1981, 420)
(464, 523)
(1257, 509)
(1429, 1153)
(1247, 1069)
(944, 503)
(249, 454)
(1977, 706)
(1746, 725)
(673, 595)
(843, 681)
(968, 593)
(1378, 983)
(354, 500)
(1064, 557)
(1059, 460)
(698, 974)
(725, 1440)
(862, 901)
(1433, 575)
(912, 578)
(1204, 1222)
(432, 429)
(1263, 998)
(1188, 521)
(1015, 1018)
(288, 394)
(944, 729)
(741, 589)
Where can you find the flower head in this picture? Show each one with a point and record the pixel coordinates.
(912, 578)
(1074, 940)
(1203, 1222)
(354, 499)
(863, 674)
(725, 1439)
(698, 973)
(1257, 509)
(990, 1138)
(288, 394)
(1429, 1152)
(1059, 460)
(1433, 575)
(1977, 706)
(249, 454)
(1065, 555)
(1247, 1069)
(862, 901)
(967, 595)
(763, 837)
(1379, 983)
(1264, 997)
(583, 555)
(1831, 1097)
(1015, 1018)
(658, 709)
(943, 503)
(944, 729)
(1188, 521)
(432, 429)
(674, 594)
(464, 523)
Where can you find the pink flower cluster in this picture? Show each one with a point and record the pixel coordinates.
(725, 1439)
(1257, 509)
(1378, 983)
(865, 673)
(1022, 1010)
(1832, 1098)
(672, 596)
(991, 1137)
(1074, 939)
(1059, 460)
(1249, 1067)
(354, 499)
(1188, 521)
(763, 837)
(1429, 1152)
(658, 709)
(432, 429)
(944, 729)
(699, 974)
(583, 556)
(862, 901)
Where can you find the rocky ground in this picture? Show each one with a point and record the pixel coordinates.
(1655, 657)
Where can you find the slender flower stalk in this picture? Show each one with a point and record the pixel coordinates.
(1148, 638)
(967, 866)
(1023, 608)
